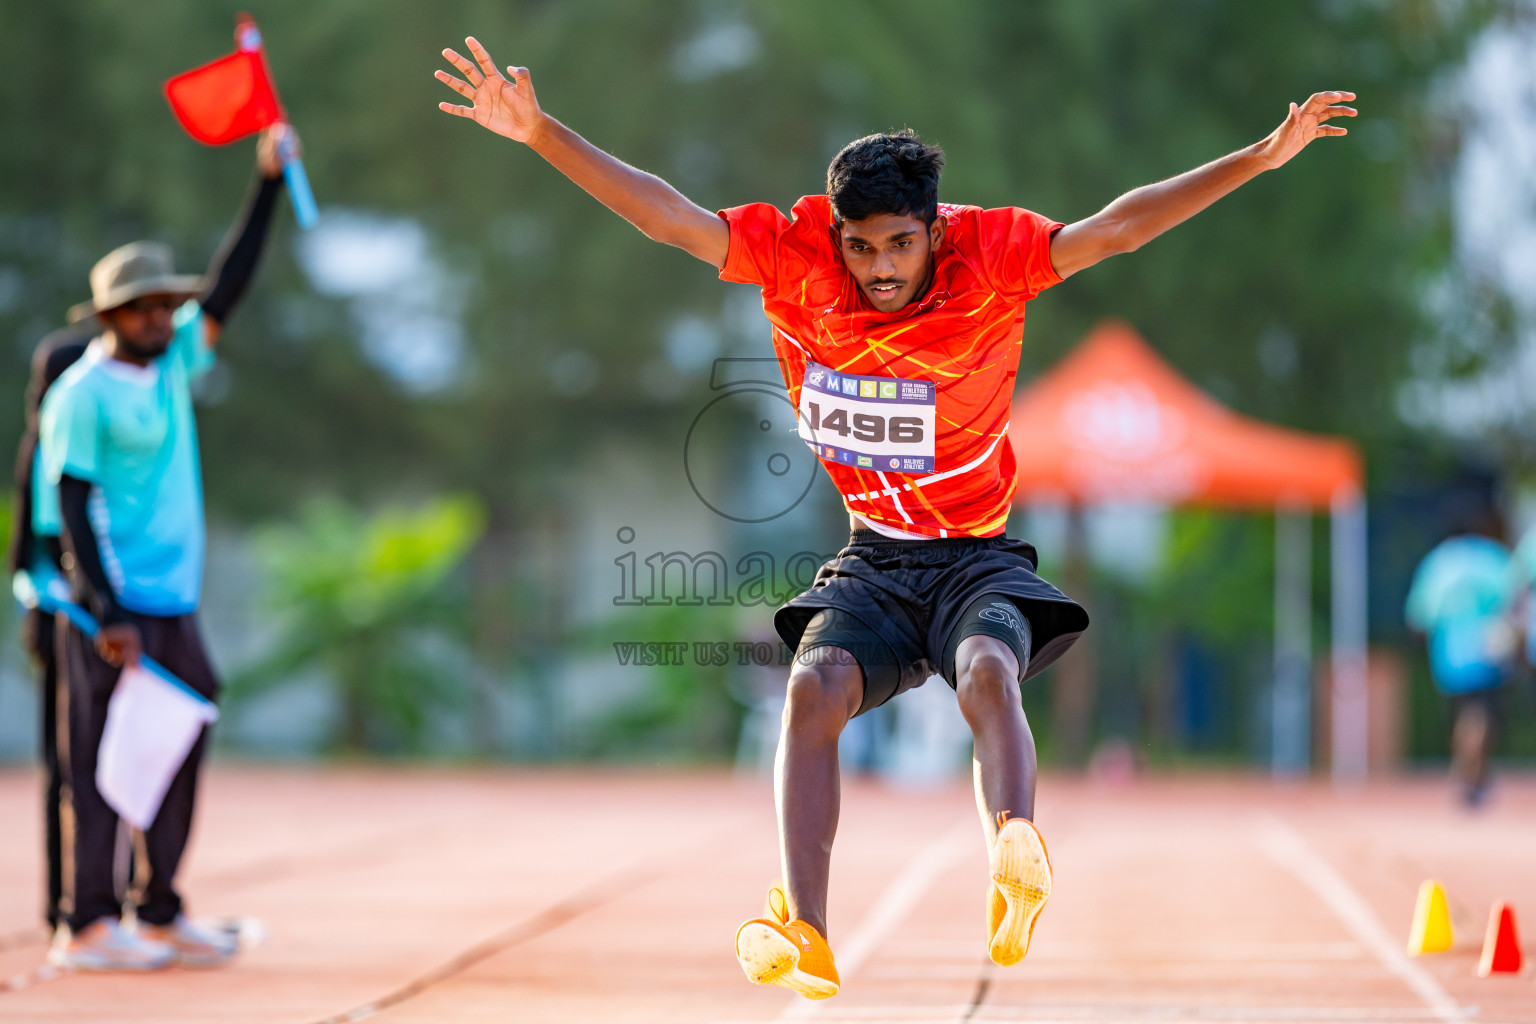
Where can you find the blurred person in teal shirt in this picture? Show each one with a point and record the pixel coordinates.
(119, 462)
(1460, 601)
(1522, 590)
(36, 555)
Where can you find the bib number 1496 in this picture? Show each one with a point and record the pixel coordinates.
(865, 426)
(885, 424)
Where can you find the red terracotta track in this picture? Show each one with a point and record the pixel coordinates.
(444, 896)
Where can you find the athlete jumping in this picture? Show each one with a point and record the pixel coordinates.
(898, 322)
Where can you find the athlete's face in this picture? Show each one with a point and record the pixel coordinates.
(142, 328)
(891, 257)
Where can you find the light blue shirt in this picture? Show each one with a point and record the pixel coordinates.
(40, 577)
(1460, 599)
(130, 432)
(1522, 577)
(45, 499)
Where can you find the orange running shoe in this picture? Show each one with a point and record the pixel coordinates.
(774, 950)
(1021, 883)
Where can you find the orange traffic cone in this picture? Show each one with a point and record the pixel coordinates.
(1501, 949)
(1431, 931)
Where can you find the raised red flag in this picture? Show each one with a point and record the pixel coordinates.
(230, 98)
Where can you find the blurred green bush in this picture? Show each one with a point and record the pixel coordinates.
(367, 601)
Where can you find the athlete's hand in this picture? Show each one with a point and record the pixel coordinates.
(120, 644)
(506, 106)
(1303, 124)
(269, 148)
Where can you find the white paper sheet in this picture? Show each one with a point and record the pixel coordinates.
(152, 723)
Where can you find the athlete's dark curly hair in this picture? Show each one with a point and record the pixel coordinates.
(889, 173)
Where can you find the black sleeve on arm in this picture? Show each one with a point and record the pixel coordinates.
(80, 540)
(235, 264)
(54, 547)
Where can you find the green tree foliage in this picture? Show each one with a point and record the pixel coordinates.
(365, 601)
(1294, 299)
(687, 708)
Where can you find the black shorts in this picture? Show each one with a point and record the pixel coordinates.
(912, 598)
(1489, 700)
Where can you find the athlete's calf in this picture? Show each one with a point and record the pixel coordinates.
(826, 687)
(987, 684)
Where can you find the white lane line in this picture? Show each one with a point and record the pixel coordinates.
(1178, 1015)
(939, 1014)
(1173, 1016)
(1287, 848)
(890, 909)
(1067, 952)
(875, 1014)
(1204, 1014)
(1094, 972)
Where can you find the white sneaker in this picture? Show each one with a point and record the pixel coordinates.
(193, 944)
(105, 945)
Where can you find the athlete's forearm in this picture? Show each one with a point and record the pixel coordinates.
(1144, 213)
(660, 211)
(1141, 215)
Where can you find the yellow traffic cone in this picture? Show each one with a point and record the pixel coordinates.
(1431, 932)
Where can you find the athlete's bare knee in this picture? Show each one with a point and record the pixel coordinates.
(823, 693)
(986, 679)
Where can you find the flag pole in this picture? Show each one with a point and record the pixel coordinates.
(46, 598)
(300, 196)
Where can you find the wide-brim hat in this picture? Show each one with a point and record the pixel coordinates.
(131, 272)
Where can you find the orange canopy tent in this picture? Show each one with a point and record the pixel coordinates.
(1113, 422)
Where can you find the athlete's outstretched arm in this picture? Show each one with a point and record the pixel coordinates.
(1141, 215)
(507, 106)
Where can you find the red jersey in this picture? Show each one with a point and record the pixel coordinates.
(877, 381)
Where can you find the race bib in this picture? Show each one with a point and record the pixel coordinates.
(877, 423)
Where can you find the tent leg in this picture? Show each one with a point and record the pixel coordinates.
(1291, 739)
(1350, 714)
(1076, 679)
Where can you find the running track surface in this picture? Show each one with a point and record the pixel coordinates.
(445, 896)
